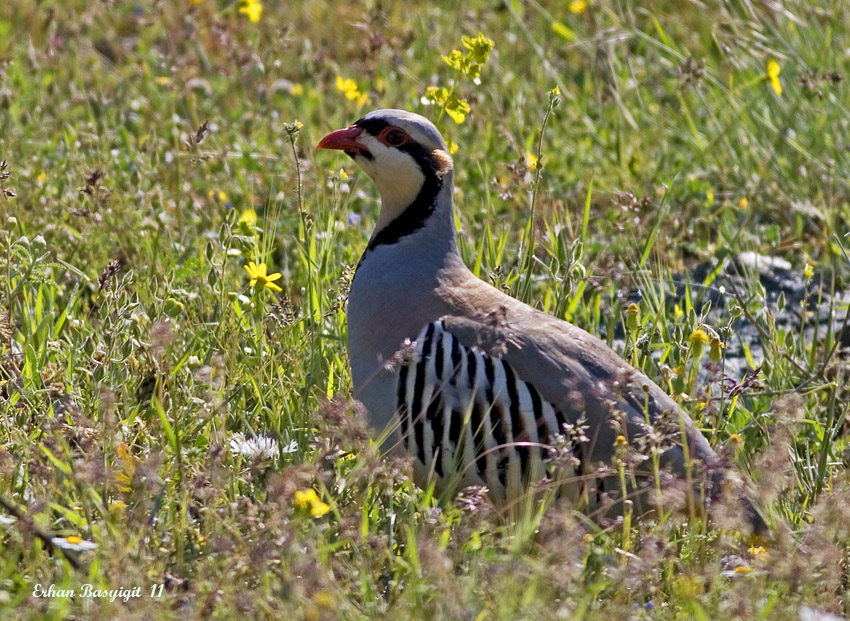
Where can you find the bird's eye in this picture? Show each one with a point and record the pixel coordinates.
(394, 137)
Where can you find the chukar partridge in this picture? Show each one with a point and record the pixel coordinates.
(476, 386)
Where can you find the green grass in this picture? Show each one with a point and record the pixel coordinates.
(122, 388)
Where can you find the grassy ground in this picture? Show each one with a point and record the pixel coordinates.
(154, 148)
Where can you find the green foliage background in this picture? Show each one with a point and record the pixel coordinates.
(146, 132)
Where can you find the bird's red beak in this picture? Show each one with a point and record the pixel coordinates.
(343, 140)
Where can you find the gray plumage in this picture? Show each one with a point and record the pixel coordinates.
(535, 376)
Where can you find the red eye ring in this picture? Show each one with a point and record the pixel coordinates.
(393, 137)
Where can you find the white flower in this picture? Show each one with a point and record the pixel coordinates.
(258, 447)
(72, 542)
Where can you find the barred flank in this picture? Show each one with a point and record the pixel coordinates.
(470, 415)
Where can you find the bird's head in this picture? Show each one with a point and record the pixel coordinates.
(403, 153)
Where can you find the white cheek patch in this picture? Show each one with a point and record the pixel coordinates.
(397, 176)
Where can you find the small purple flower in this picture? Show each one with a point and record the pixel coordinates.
(353, 219)
(650, 605)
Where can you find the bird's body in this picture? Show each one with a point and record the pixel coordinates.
(488, 387)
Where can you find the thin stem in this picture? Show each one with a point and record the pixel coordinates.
(529, 246)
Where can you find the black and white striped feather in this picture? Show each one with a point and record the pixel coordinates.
(465, 416)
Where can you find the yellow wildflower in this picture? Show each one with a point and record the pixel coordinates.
(308, 500)
(456, 60)
(297, 89)
(260, 277)
(677, 311)
(304, 498)
(348, 86)
(452, 146)
(578, 6)
(773, 71)
(555, 92)
(456, 108)
(124, 475)
(479, 48)
(809, 271)
(736, 440)
(253, 9)
(757, 551)
(699, 337)
(477, 51)
(319, 509)
(621, 442)
(249, 217)
(531, 160)
(743, 569)
(42, 177)
(743, 204)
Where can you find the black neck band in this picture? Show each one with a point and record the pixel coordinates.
(417, 213)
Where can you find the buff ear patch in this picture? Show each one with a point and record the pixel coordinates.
(443, 161)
